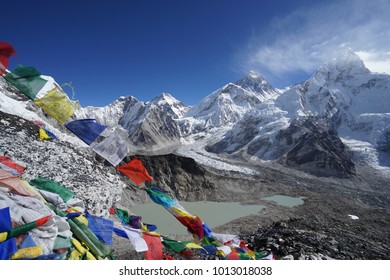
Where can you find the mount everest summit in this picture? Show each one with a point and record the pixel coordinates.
(325, 125)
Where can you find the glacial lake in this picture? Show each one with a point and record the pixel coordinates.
(212, 213)
(284, 200)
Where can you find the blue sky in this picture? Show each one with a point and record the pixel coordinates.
(142, 48)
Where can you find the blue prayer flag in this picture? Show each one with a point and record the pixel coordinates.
(101, 227)
(7, 247)
(87, 129)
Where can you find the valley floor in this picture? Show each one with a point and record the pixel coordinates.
(321, 228)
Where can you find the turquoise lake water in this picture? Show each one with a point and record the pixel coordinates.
(211, 213)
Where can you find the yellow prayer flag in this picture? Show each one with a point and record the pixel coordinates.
(3, 236)
(57, 104)
(82, 218)
(193, 246)
(179, 212)
(28, 253)
(79, 247)
(43, 135)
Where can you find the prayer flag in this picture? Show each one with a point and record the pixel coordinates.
(160, 197)
(57, 104)
(8, 162)
(101, 227)
(43, 135)
(135, 171)
(87, 129)
(6, 50)
(154, 246)
(7, 247)
(13, 183)
(136, 240)
(113, 148)
(23, 228)
(51, 186)
(27, 79)
(193, 224)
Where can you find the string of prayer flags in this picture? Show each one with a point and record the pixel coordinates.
(135, 171)
(192, 223)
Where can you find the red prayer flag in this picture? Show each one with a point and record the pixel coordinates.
(155, 247)
(42, 221)
(193, 224)
(233, 255)
(8, 162)
(6, 50)
(135, 171)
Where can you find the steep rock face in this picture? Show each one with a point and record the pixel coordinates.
(316, 150)
(183, 176)
(254, 133)
(152, 126)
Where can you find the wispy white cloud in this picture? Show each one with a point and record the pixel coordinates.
(376, 61)
(311, 35)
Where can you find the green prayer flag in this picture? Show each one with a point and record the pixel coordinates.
(51, 186)
(176, 246)
(27, 80)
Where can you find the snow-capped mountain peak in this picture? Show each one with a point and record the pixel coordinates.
(255, 83)
(170, 105)
(229, 103)
(347, 66)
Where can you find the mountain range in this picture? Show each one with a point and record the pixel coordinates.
(326, 125)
